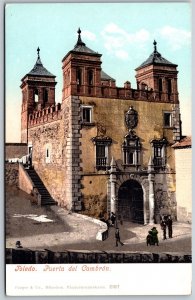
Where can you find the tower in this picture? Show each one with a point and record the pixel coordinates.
(160, 75)
(81, 71)
(38, 92)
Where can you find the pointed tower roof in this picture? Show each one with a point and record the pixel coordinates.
(39, 69)
(155, 59)
(81, 47)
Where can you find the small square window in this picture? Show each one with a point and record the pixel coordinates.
(87, 114)
(167, 119)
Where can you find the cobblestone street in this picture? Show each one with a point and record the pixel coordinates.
(40, 228)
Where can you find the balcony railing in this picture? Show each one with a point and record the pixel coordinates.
(101, 163)
(159, 162)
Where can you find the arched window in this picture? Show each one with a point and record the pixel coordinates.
(169, 86)
(79, 76)
(45, 95)
(36, 96)
(90, 77)
(160, 86)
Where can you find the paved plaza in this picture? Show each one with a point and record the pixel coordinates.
(43, 228)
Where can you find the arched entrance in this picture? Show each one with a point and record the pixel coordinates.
(130, 202)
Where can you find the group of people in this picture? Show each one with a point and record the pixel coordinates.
(111, 221)
(152, 237)
(167, 225)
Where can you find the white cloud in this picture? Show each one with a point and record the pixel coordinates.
(88, 35)
(141, 36)
(113, 42)
(122, 54)
(117, 40)
(177, 38)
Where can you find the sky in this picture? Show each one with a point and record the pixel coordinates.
(122, 32)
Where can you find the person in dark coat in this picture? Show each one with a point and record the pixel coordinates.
(164, 228)
(170, 226)
(113, 218)
(18, 244)
(155, 235)
(117, 236)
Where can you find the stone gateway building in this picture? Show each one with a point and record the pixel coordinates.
(104, 148)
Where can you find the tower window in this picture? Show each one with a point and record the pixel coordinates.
(160, 85)
(169, 86)
(36, 96)
(167, 119)
(45, 95)
(79, 76)
(86, 114)
(90, 77)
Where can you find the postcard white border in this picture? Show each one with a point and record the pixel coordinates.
(113, 279)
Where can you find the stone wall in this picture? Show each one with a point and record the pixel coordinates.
(109, 114)
(56, 154)
(48, 157)
(108, 119)
(27, 256)
(11, 173)
(73, 152)
(94, 198)
(15, 150)
(25, 182)
(165, 196)
(184, 184)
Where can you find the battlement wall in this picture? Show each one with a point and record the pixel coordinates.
(126, 92)
(45, 115)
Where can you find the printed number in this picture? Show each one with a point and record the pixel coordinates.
(114, 286)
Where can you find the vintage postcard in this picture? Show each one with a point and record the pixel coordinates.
(98, 150)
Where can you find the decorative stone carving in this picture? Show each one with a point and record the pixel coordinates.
(131, 118)
(101, 130)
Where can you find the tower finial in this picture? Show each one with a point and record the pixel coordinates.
(38, 50)
(79, 36)
(79, 31)
(79, 41)
(155, 48)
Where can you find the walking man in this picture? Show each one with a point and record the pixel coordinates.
(169, 225)
(117, 236)
(113, 218)
(163, 227)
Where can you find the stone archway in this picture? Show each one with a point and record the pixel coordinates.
(131, 201)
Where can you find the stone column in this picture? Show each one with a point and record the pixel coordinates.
(113, 186)
(151, 193)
